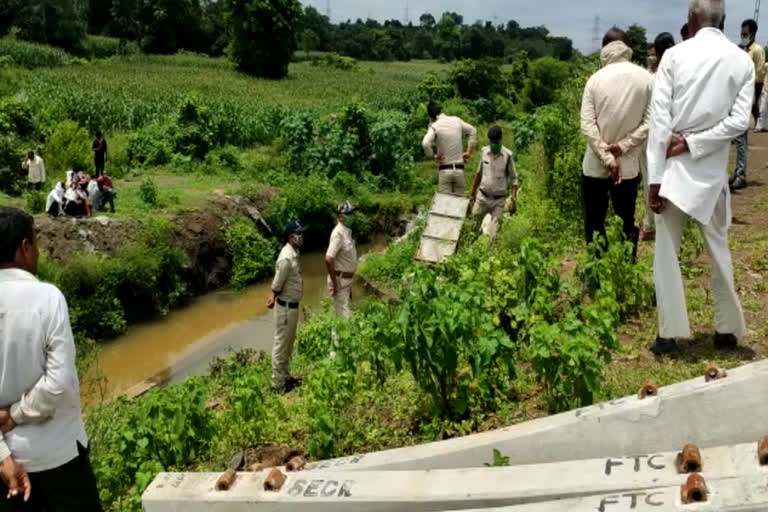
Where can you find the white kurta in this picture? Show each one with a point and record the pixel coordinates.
(35, 169)
(703, 90)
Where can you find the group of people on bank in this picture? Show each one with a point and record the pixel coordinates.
(78, 195)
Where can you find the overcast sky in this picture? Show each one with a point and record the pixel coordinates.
(572, 18)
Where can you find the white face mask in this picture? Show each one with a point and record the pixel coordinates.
(746, 41)
(298, 239)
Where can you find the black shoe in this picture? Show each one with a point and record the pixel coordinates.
(738, 184)
(291, 383)
(726, 341)
(663, 346)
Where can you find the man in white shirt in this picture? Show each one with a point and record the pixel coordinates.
(614, 120)
(41, 427)
(702, 100)
(35, 168)
(447, 133)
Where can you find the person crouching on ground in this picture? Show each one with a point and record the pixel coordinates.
(496, 180)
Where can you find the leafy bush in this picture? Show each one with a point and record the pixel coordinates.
(69, 146)
(11, 178)
(16, 116)
(35, 200)
(314, 339)
(102, 47)
(328, 392)
(477, 78)
(391, 155)
(390, 266)
(335, 61)
(194, 134)
(308, 200)
(545, 77)
(132, 441)
(32, 55)
(152, 145)
(448, 340)
(148, 191)
(252, 254)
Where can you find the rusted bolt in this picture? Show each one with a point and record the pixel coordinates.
(689, 460)
(275, 480)
(714, 373)
(296, 464)
(650, 388)
(694, 490)
(226, 480)
(762, 451)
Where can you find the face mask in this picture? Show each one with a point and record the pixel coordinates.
(746, 41)
(652, 60)
(496, 147)
(298, 240)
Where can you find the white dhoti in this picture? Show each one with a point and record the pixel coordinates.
(762, 121)
(670, 294)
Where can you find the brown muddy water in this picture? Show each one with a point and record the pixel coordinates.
(185, 341)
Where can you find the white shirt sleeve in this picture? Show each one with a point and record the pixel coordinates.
(428, 142)
(4, 451)
(589, 127)
(40, 403)
(660, 124)
(704, 143)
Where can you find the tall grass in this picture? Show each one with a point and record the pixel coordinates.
(32, 55)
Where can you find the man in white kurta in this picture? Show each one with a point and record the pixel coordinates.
(702, 100)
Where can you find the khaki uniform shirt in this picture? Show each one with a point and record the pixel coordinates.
(342, 249)
(288, 283)
(498, 171)
(757, 54)
(35, 169)
(447, 132)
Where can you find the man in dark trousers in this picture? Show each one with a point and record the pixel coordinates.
(44, 463)
(99, 153)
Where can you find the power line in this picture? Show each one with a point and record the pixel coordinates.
(757, 10)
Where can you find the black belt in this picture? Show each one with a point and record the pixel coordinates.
(489, 196)
(289, 305)
(451, 166)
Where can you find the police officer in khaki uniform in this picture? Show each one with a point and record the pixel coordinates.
(496, 177)
(447, 133)
(341, 260)
(287, 291)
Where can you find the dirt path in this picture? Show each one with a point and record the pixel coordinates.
(749, 244)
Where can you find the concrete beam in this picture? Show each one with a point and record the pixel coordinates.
(338, 491)
(735, 495)
(720, 412)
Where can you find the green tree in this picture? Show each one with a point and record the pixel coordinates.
(427, 21)
(638, 41)
(55, 22)
(448, 38)
(263, 39)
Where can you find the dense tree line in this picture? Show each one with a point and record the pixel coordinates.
(208, 26)
(447, 38)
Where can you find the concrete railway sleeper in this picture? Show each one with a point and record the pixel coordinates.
(340, 490)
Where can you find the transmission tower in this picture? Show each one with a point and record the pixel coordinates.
(596, 33)
(407, 18)
(757, 9)
(328, 9)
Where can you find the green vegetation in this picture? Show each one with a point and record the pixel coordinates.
(495, 335)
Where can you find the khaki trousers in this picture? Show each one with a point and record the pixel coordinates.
(670, 294)
(343, 296)
(451, 181)
(286, 320)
